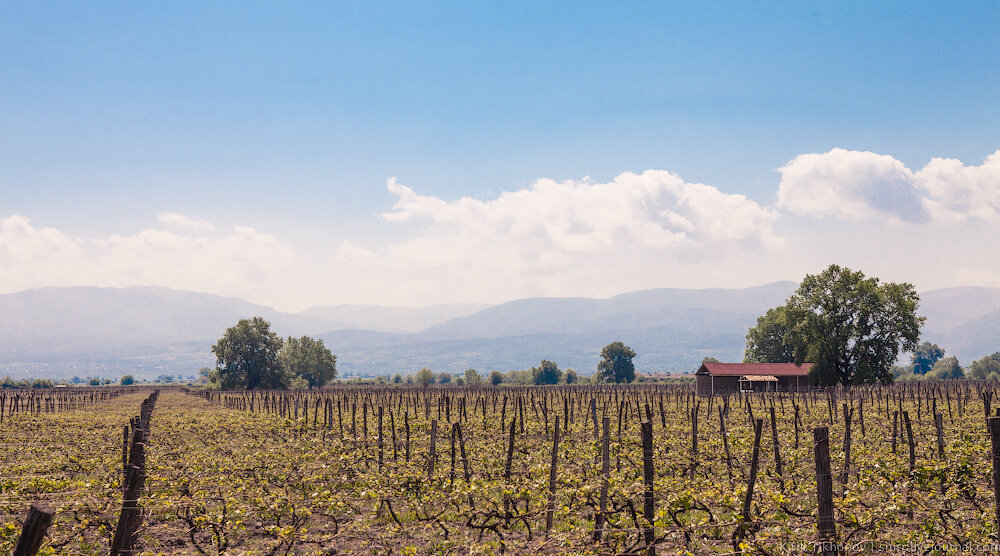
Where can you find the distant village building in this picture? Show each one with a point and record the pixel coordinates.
(721, 378)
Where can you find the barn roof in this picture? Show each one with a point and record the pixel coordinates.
(754, 369)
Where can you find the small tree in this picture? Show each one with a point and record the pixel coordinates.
(616, 363)
(94, 382)
(571, 377)
(128, 380)
(472, 377)
(444, 378)
(397, 378)
(309, 360)
(425, 377)
(496, 378)
(925, 356)
(546, 373)
(947, 368)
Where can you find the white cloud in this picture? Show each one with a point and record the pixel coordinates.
(855, 185)
(852, 185)
(180, 221)
(236, 262)
(558, 238)
(957, 190)
(656, 209)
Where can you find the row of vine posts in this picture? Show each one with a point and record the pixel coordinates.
(134, 439)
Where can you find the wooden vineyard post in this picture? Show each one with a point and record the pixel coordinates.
(406, 445)
(993, 424)
(909, 441)
(824, 492)
(433, 454)
(648, 502)
(509, 464)
(552, 478)
(725, 443)
(451, 469)
(33, 533)
(461, 446)
(593, 414)
(795, 422)
(845, 474)
(895, 429)
(605, 470)
(939, 425)
(125, 451)
(754, 463)
(694, 439)
(392, 426)
(777, 450)
(381, 441)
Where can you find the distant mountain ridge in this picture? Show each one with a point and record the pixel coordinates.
(636, 310)
(393, 319)
(61, 332)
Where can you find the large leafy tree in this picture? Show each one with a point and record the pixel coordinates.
(247, 356)
(851, 327)
(309, 360)
(616, 363)
(924, 357)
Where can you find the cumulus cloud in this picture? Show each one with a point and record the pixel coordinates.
(851, 185)
(655, 209)
(855, 185)
(561, 237)
(957, 190)
(232, 262)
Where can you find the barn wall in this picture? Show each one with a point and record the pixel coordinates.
(725, 384)
(703, 385)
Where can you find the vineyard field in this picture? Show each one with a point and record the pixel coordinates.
(552, 470)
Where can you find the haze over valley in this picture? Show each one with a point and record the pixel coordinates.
(148, 331)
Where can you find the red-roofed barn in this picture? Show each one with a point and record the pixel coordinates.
(715, 378)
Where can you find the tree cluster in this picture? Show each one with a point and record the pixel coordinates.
(985, 368)
(250, 356)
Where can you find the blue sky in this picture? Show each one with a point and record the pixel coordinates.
(260, 137)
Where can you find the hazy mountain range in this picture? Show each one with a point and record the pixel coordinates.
(61, 332)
